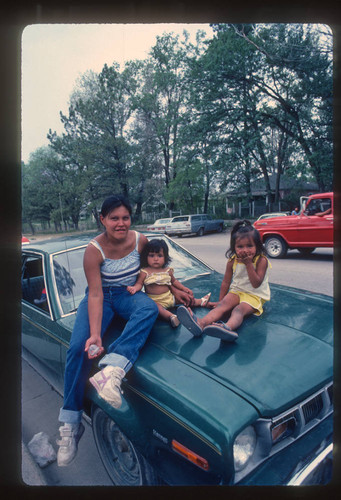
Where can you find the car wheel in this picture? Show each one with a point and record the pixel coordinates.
(124, 464)
(201, 232)
(276, 247)
(306, 251)
(220, 228)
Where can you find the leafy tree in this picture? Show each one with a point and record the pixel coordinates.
(94, 142)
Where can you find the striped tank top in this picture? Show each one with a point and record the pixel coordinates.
(120, 272)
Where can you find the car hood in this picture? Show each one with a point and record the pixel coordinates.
(280, 220)
(279, 358)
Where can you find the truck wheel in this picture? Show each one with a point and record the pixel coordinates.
(276, 247)
(201, 232)
(124, 464)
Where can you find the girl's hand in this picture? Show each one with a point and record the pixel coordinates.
(94, 341)
(131, 289)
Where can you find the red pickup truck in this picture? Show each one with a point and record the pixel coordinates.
(312, 228)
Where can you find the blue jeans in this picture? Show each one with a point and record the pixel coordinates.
(139, 311)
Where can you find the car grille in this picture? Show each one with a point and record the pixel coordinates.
(305, 415)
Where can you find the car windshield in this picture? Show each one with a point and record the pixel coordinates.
(71, 282)
(69, 278)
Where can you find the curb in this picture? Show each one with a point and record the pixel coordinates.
(31, 473)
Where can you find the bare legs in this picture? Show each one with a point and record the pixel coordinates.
(229, 303)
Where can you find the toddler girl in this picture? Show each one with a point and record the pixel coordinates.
(244, 289)
(157, 277)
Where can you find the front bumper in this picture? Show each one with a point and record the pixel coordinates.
(317, 471)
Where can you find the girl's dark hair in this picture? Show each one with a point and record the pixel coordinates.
(245, 228)
(155, 246)
(115, 201)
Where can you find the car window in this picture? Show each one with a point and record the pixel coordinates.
(33, 283)
(180, 219)
(69, 278)
(196, 217)
(317, 205)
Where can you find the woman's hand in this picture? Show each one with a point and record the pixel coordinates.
(182, 296)
(94, 341)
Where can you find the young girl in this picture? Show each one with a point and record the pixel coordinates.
(157, 277)
(243, 291)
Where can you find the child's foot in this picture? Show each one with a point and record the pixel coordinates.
(204, 300)
(174, 321)
(189, 320)
(221, 331)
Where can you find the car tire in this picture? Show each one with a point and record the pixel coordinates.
(306, 251)
(124, 464)
(201, 232)
(220, 229)
(276, 247)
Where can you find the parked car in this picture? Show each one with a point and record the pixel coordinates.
(159, 225)
(312, 228)
(273, 214)
(24, 240)
(188, 224)
(196, 411)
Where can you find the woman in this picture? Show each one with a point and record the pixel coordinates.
(111, 263)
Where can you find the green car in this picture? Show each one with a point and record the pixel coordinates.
(197, 411)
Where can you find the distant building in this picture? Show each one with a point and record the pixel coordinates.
(261, 201)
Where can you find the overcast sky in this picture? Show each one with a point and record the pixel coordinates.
(55, 55)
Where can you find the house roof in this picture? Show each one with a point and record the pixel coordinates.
(258, 186)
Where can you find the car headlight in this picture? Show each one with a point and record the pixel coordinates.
(244, 447)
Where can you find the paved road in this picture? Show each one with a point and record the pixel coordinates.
(313, 273)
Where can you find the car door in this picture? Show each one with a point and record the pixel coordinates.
(39, 337)
(317, 230)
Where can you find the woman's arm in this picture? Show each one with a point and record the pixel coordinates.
(91, 262)
(225, 284)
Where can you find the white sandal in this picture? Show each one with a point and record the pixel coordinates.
(204, 300)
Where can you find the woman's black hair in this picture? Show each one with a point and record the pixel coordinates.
(245, 228)
(115, 201)
(155, 245)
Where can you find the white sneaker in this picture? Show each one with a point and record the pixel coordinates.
(107, 383)
(70, 435)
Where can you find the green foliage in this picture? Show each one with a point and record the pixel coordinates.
(191, 122)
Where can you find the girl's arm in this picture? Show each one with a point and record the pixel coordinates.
(225, 285)
(91, 262)
(177, 283)
(139, 283)
(182, 294)
(256, 275)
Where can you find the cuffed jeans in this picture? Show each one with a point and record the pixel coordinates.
(139, 311)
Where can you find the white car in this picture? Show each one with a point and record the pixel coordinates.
(274, 214)
(159, 225)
